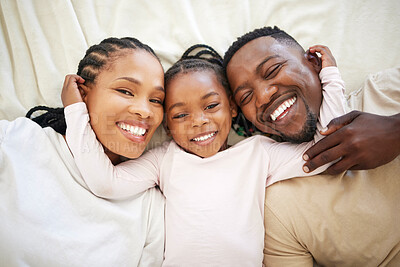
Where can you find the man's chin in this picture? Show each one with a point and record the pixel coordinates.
(306, 134)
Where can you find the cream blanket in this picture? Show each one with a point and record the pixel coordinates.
(43, 40)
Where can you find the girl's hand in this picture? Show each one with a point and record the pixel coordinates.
(71, 90)
(326, 55)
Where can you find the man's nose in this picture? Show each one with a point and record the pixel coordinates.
(264, 94)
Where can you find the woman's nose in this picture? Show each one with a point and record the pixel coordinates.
(141, 108)
(264, 94)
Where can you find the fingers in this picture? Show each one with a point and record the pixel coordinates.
(326, 55)
(70, 92)
(330, 154)
(340, 166)
(343, 120)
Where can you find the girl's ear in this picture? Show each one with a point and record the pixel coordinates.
(83, 90)
(165, 125)
(233, 107)
(314, 59)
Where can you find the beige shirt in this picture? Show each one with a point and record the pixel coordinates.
(351, 219)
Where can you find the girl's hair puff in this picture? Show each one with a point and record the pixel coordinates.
(198, 57)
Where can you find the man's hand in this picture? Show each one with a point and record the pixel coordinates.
(71, 92)
(359, 140)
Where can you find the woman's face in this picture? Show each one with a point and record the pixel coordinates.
(125, 103)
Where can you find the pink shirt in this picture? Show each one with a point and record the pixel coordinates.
(214, 206)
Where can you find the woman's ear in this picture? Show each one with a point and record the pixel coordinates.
(233, 107)
(314, 59)
(83, 90)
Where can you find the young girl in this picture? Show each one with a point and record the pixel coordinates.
(214, 194)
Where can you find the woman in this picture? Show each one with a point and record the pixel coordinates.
(49, 218)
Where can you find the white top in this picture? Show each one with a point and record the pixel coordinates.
(48, 217)
(214, 206)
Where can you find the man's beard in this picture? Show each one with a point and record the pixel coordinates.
(307, 133)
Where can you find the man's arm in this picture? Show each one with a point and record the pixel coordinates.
(361, 140)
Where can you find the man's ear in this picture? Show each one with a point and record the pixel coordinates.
(233, 107)
(314, 59)
(83, 90)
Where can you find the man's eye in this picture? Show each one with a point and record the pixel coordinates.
(211, 106)
(245, 98)
(125, 92)
(179, 116)
(272, 72)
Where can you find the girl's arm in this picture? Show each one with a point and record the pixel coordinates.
(286, 160)
(101, 176)
(333, 101)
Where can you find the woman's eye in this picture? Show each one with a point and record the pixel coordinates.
(271, 72)
(179, 116)
(157, 101)
(211, 106)
(125, 92)
(245, 98)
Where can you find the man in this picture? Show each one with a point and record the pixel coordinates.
(350, 219)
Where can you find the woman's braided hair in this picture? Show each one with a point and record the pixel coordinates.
(97, 58)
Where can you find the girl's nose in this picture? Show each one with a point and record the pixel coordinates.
(199, 119)
(264, 94)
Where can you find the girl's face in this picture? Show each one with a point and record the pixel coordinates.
(126, 103)
(199, 113)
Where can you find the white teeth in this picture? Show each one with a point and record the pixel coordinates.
(135, 130)
(285, 105)
(203, 138)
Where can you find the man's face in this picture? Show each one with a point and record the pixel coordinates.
(277, 88)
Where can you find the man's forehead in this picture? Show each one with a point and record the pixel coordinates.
(257, 48)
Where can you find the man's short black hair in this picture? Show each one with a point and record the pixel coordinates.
(274, 32)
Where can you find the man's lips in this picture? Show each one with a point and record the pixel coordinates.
(278, 109)
(279, 113)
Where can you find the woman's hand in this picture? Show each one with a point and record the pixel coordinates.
(359, 140)
(71, 92)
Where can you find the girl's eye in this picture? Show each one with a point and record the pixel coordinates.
(125, 92)
(211, 106)
(273, 71)
(245, 98)
(179, 116)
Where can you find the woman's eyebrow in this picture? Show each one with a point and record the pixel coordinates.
(133, 80)
(129, 79)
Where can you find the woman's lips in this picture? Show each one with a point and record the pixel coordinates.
(134, 133)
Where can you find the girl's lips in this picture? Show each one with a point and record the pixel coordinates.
(204, 138)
